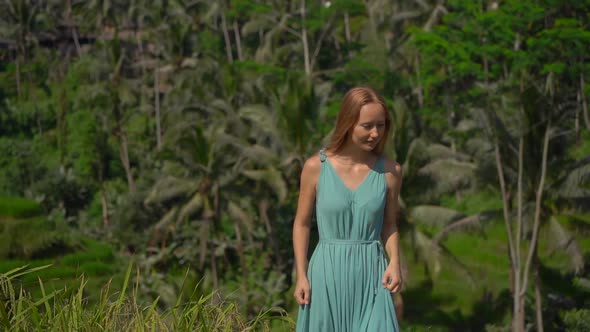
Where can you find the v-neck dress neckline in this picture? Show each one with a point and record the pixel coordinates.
(365, 178)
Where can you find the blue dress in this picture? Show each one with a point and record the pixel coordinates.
(346, 267)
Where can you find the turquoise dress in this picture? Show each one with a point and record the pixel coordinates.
(347, 266)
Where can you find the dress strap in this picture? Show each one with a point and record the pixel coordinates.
(322, 154)
(379, 165)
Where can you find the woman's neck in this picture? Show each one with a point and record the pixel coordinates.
(352, 154)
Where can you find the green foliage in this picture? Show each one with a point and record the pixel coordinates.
(33, 237)
(18, 207)
(577, 320)
(474, 202)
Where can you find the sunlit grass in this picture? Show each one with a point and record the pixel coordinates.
(69, 310)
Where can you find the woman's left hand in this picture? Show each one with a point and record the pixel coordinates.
(392, 279)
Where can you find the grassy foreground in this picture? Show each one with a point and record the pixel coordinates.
(69, 310)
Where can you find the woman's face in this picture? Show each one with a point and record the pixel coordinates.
(370, 127)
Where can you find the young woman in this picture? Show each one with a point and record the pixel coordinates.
(354, 188)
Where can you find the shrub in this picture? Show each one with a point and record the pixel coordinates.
(577, 320)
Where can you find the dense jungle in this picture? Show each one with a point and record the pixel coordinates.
(150, 154)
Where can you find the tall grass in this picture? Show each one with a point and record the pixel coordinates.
(68, 310)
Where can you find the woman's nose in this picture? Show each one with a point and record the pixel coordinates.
(374, 132)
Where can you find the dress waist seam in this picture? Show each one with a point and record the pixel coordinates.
(348, 242)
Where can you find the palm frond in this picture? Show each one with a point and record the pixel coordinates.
(168, 219)
(449, 174)
(415, 149)
(456, 225)
(191, 207)
(169, 188)
(478, 147)
(272, 177)
(223, 105)
(429, 253)
(256, 24)
(564, 240)
(243, 217)
(571, 184)
(433, 215)
(582, 284)
(440, 151)
(259, 154)
(434, 253)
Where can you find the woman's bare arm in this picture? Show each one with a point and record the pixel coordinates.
(390, 234)
(305, 205)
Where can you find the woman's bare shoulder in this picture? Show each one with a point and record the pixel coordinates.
(393, 170)
(312, 164)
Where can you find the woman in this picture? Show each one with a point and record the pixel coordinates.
(353, 187)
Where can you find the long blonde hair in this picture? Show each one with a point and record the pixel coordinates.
(348, 117)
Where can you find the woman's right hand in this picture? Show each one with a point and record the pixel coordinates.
(302, 291)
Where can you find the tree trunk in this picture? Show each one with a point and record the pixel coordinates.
(214, 268)
(438, 11)
(419, 91)
(347, 27)
(518, 315)
(17, 76)
(76, 41)
(228, 51)
(124, 154)
(105, 207)
(304, 39)
(519, 222)
(204, 235)
(538, 207)
(538, 296)
(262, 208)
(62, 124)
(517, 308)
(577, 117)
(505, 204)
(584, 103)
(72, 25)
(372, 24)
(419, 88)
(238, 40)
(157, 109)
(535, 235)
(240, 250)
(319, 43)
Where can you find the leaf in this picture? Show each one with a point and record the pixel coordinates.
(255, 25)
(561, 239)
(191, 207)
(571, 185)
(433, 215)
(271, 177)
(449, 175)
(242, 216)
(170, 188)
(168, 219)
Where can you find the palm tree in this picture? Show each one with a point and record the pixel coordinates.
(209, 176)
(520, 129)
